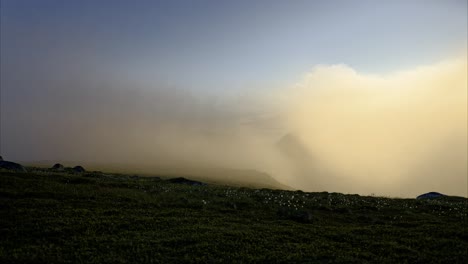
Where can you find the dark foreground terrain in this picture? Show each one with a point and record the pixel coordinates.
(48, 217)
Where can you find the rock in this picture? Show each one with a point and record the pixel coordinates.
(304, 217)
(1, 159)
(78, 169)
(430, 195)
(301, 216)
(58, 167)
(182, 180)
(8, 165)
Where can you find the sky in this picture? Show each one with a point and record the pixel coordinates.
(236, 43)
(179, 82)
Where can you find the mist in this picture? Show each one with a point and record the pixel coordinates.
(335, 130)
(398, 134)
(97, 119)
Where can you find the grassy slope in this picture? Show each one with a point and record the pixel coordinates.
(225, 176)
(47, 217)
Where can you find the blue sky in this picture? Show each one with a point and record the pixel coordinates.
(224, 45)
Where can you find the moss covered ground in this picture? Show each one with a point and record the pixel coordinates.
(49, 217)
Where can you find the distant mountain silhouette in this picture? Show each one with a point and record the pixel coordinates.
(294, 149)
(307, 170)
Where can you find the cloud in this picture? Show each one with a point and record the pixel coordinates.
(101, 120)
(397, 134)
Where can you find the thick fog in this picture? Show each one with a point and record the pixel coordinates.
(399, 134)
(339, 130)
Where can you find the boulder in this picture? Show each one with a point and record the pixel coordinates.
(182, 180)
(430, 195)
(58, 167)
(8, 165)
(1, 159)
(78, 169)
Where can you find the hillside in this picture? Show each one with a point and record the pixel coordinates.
(50, 217)
(218, 176)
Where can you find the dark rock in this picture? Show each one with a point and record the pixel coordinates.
(58, 167)
(78, 169)
(343, 210)
(304, 217)
(8, 165)
(1, 159)
(430, 195)
(301, 216)
(367, 219)
(182, 180)
(324, 208)
(233, 205)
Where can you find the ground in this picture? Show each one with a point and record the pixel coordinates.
(51, 217)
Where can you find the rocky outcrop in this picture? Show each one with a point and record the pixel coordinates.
(182, 180)
(12, 166)
(430, 195)
(78, 169)
(58, 167)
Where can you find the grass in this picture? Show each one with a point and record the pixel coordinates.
(48, 217)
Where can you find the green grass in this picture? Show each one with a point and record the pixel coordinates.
(96, 218)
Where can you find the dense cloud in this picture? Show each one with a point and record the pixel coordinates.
(398, 135)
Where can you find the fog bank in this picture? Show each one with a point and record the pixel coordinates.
(399, 134)
(335, 130)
